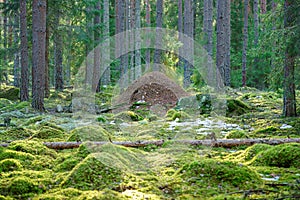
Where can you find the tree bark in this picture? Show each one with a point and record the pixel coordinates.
(97, 54)
(188, 46)
(263, 6)
(47, 72)
(59, 83)
(148, 23)
(226, 143)
(180, 30)
(24, 96)
(106, 54)
(138, 67)
(38, 53)
(223, 40)
(158, 38)
(245, 43)
(17, 51)
(289, 96)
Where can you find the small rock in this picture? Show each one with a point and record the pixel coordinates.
(59, 108)
(285, 126)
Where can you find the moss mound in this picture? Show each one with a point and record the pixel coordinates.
(16, 134)
(7, 165)
(32, 147)
(22, 185)
(7, 154)
(47, 132)
(236, 107)
(236, 134)
(89, 133)
(127, 116)
(211, 172)
(284, 155)
(101, 195)
(174, 114)
(33, 120)
(68, 193)
(9, 92)
(92, 174)
(5, 102)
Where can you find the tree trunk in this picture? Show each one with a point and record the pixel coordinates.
(17, 51)
(223, 41)
(188, 46)
(47, 72)
(89, 45)
(148, 23)
(158, 38)
(208, 36)
(225, 143)
(180, 30)
(58, 60)
(138, 67)
(289, 96)
(131, 24)
(5, 25)
(38, 53)
(106, 54)
(97, 54)
(24, 96)
(245, 43)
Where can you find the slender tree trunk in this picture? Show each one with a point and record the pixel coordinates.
(188, 47)
(131, 24)
(180, 30)
(245, 43)
(69, 56)
(138, 67)
(97, 54)
(5, 25)
(17, 51)
(274, 6)
(47, 72)
(89, 46)
(106, 54)
(289, 96)
(223, 41)
(38, 53)
(24, 96)
(158, 38)
(59, 84)
(148, 23)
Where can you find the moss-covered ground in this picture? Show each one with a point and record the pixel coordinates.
(30, 170)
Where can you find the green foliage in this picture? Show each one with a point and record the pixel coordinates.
(174, 114)
(236, 107)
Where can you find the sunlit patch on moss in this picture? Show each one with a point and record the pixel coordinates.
(16, 134)
(174, 114)
(127, 116)
(89, 133)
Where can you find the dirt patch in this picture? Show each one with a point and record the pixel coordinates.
(153, 89)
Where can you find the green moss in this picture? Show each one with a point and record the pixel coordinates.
(127, 116)
(269, 129)
(68, 193)
(236, 134)
(89, 133)
(9, 92)
(236, 107)
(25, 157)
(284, 155)
(22, 185)
(48, 133)
(174, 114)
(212, 172)
(4, 102)
(7, 165)
(101, 195)
(92, 174)
(16, 134)
(33, 120)
(32, 147)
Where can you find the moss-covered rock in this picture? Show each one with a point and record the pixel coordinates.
(92, 174)
(174, 114)
(284, 155)
(9, 92)
(215, 173)
(32, 147)
(16, 134)
(236, 107)
(236, 134)
(47, 132)
(7, 165)
(127, 116)
(89, 133)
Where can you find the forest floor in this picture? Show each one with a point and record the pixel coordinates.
(30, 170)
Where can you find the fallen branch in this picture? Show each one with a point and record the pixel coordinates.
(226, 143)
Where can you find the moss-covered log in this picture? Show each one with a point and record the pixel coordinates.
(227, 143)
